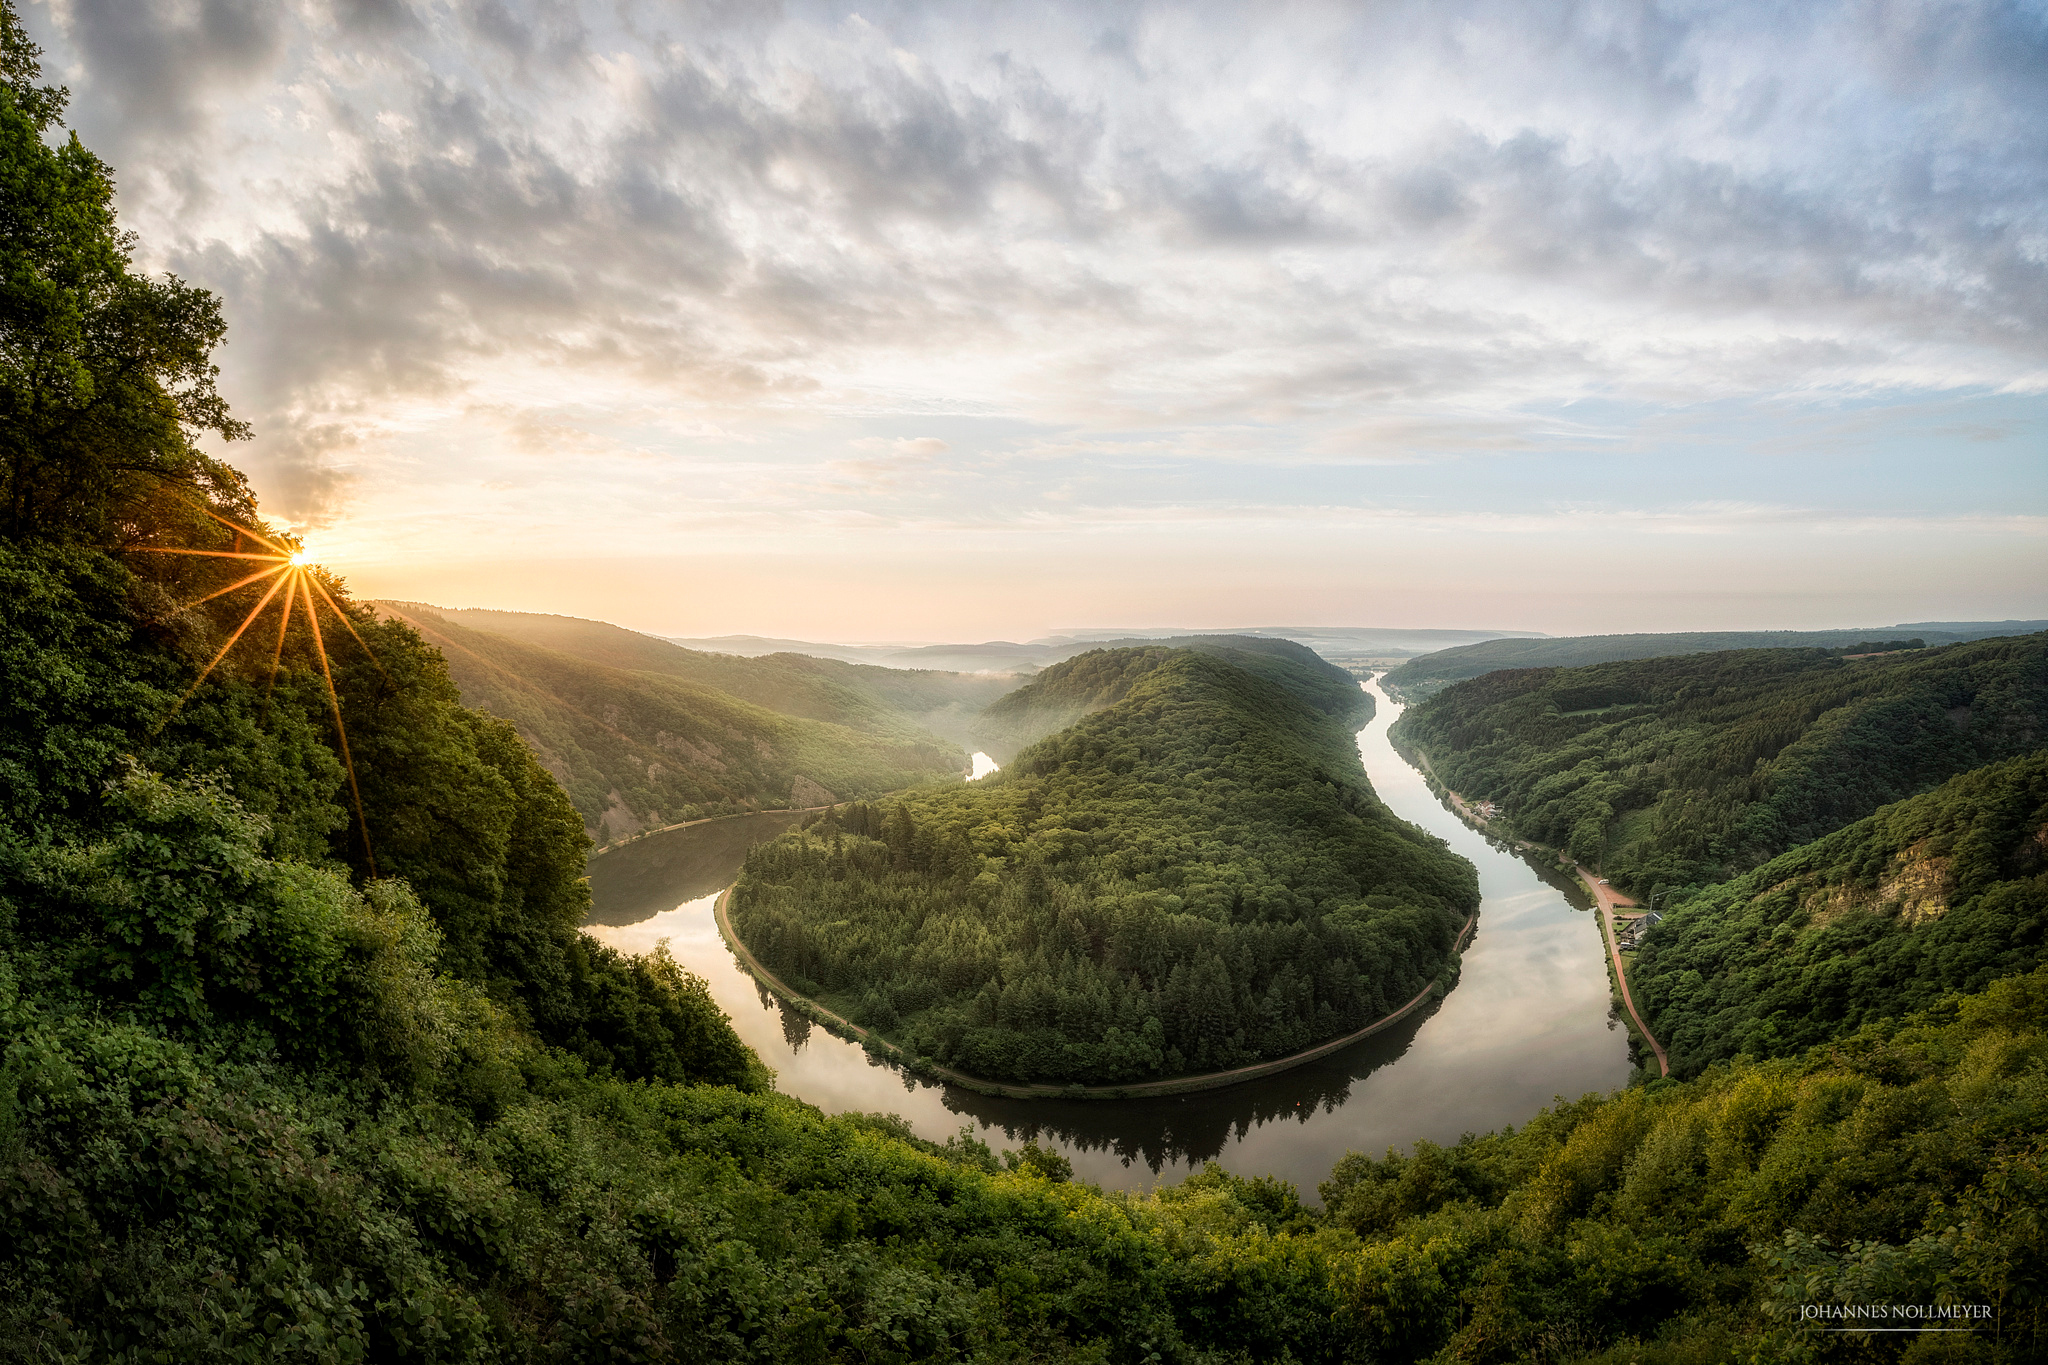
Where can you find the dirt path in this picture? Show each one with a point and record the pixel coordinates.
(1607, 898)
(1178, 1085)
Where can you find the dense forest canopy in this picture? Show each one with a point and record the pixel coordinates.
(640, 748)
(1666, 773)
(1195, 878)
(1945, 891)
(1421, 678)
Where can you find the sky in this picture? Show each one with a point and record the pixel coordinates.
(964, 321)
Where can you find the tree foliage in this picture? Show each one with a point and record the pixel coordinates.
(1196, 878)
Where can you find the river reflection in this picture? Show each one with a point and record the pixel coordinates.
(1529, 1021)
(656, 872)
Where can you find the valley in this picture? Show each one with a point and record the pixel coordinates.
(1528, 1020)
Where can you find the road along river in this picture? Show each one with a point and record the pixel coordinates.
(1529, 1020)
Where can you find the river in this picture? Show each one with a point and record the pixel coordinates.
(1530, 1020)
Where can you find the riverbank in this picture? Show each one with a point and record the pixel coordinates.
(637, 836)
(1175, 1085)
(1604, 900)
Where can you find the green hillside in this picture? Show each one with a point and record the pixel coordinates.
(643, 748)
(1945, 891)
(899, 703)
(1197, 877)
(1423, 677)
(1671, 772)
(1092, 681)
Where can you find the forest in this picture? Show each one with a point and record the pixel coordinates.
(1420, 678)
(1195, 878)
(1946, 891)
(290, 1076)
(1678, 772)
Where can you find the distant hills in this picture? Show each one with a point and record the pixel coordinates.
(643, 733)
(900, 700)
(1428, 674)
(1338, 644)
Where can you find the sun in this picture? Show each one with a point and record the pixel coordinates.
(292, 572)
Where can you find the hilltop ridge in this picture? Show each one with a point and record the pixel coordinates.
(1422, 677)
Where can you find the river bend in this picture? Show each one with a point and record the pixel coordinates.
(1530, 1019)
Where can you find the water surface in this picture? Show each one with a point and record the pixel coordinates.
(1529, 1021)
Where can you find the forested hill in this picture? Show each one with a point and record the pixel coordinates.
(642, 748)
(900, 703)
(1196, 878)
(1945, 891)
(1424, 676)
(1670, 772)
(1095, 680)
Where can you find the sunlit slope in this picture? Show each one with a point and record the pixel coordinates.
(1670, 772)
(1103, 676)
(637, 749)
(1424, 676)
(1195, 878)
(1945, 891)
(899, 703)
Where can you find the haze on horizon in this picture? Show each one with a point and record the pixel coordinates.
(946, 322)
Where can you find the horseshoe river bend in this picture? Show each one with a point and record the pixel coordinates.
(1529, 1020)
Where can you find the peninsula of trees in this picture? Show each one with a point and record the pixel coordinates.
(1197, 877)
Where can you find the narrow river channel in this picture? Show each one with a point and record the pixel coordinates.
(1530, 1020)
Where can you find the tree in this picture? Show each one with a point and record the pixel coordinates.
(106, 377)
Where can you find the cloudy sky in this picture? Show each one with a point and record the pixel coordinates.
(960, 321)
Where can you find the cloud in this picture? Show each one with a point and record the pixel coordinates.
(916, 446)
(1361, 233)
(891, 463)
